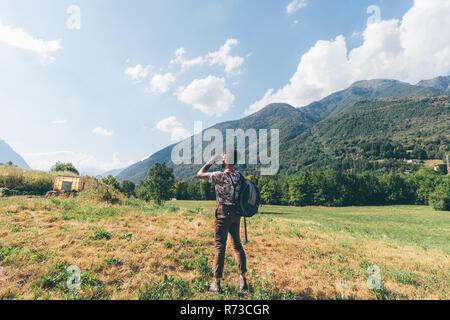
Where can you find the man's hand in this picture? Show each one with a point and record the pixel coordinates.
(216, 158)
(202, 174)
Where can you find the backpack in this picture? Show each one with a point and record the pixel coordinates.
(248, 199)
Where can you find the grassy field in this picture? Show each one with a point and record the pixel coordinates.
(138, 250)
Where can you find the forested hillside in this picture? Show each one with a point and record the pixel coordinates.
(373, 130)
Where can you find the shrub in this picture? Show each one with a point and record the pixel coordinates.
(62, 167)
(101, 233)
(111, 181)
(4, 192)
(114, 261)
(99, 191)
(169, 244)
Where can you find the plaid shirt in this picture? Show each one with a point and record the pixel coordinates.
(223, 183)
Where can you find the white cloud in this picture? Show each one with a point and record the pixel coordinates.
(295, 5)
(60, 122)
(161, 83)
(223, 57)
(103, 132)
(186, 64)
(174, 127)
(412, 49)
(138, 73)
(209, 95)
(220, 57)
(18, 38)
(85, 163)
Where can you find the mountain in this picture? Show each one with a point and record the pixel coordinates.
(276, 115)
(8, 154)
(304, 131)
(441, 83)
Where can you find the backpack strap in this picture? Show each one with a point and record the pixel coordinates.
(234, 184)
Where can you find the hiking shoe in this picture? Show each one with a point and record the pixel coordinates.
(243, 286)
(215, 287)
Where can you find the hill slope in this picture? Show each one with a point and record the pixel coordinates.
(8, 154)
(296, 124)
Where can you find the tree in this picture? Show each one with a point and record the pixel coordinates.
(142, 190)
(396, 190)
(61, 167)
(194, 190)
(180, 190)
(370, 190)
(127, 187)
(111, 181)
(440, 198)
(270, 190)
(159, 184)
(301, 190)
(207, 191)
(423, 182)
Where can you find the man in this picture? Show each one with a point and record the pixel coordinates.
(227, 185)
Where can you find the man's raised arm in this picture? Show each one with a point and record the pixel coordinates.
(202, 174)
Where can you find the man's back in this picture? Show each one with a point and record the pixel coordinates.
(226, 185)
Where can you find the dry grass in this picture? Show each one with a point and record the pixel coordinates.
(294, 256)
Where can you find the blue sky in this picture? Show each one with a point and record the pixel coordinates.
(112, 92)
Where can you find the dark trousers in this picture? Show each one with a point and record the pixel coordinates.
(224, 225)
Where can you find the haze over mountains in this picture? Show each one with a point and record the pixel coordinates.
(382, 119)
(113, 173)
